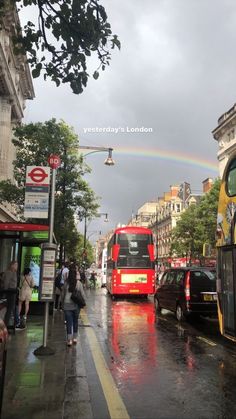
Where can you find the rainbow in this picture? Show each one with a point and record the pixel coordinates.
(175, 156)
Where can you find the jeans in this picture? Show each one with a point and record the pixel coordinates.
(71, 317)
(58, 301)
(11, 307)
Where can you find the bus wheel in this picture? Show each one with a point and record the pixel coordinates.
(179, 313)
(157, 305)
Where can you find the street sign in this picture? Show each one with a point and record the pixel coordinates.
(54, 161)
(37, 175)
(37, 192)
(48, 272)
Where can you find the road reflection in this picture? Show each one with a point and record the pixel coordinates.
(133, 340)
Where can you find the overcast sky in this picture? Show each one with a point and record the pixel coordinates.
(175, 74)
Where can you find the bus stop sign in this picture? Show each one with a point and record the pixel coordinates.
(54, 161)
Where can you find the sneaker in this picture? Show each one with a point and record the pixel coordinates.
(74, 341)
(69, 343)
(20, 327)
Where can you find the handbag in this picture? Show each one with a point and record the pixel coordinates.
(78, 298)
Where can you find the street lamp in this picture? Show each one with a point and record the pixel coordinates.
(108, 161)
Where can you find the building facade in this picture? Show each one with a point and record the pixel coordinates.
(161, 216)
(15, 88)
(225, 134)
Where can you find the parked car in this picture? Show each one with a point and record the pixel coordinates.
(158, 278)
(187, 291)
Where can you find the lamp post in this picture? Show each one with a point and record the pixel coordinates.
(85, 230)
(108, 161)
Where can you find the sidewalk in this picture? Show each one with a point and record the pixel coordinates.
(51, 387)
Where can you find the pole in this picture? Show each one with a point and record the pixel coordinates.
(52, 207)
(44, 350)
(85, 237)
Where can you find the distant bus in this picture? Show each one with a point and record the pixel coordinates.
(104, 267)
(226, 251)
(130, 262)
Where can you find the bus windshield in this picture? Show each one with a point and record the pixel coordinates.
(133, 250)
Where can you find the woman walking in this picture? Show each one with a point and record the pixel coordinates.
(25, 294)
(71, 309)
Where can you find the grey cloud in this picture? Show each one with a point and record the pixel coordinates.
(174, 73)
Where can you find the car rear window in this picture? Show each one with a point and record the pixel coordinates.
(204, 274)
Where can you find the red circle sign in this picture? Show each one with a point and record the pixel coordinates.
(54, 161)
(38, 174)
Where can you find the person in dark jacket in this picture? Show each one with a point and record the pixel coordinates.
(71, 309)
(9, 285)
(58, 289)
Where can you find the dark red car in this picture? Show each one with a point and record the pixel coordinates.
(186, 291)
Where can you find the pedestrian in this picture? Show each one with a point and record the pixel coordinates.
(82, 276)
(71, 309)
(58, 289)
(65, 272)
(25, 294)
(9, 286)
(93, 279)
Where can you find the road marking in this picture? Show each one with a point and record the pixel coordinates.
(115, 403)
(209, 342)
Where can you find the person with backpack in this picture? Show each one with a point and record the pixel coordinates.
(58, 289)
(71, 309)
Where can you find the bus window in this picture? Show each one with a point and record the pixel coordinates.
(133, 250)
(231, 179)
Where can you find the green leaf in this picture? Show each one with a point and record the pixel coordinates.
(95, 75)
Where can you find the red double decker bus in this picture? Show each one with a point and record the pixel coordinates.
(130, 262)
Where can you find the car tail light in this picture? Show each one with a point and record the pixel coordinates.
(187, 287)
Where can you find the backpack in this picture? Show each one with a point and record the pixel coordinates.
(58, 278)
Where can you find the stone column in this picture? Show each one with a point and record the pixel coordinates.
(6, 148)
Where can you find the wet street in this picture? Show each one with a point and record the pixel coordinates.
(162, 369)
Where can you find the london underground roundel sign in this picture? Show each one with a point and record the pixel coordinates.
(54, 161)
(37, 175)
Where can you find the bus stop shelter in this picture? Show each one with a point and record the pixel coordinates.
(22, 242)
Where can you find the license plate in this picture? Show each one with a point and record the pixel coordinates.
(208, 297)
(133, 291)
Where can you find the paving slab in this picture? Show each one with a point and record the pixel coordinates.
(45, 387)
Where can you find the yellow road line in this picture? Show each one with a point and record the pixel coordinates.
(206, 341)
(115, 404)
